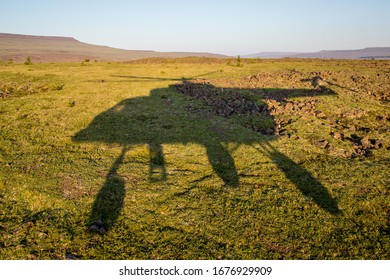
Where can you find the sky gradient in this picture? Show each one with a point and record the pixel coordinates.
(226, 27)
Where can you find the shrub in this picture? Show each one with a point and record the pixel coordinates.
(58, 86)
(239, 64)
(71, 103)
(28, 61)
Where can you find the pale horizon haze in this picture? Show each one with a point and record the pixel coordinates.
(225, 27)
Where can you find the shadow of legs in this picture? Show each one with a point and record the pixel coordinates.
(157, 171)
(222, 163)
(304, 181)
(109, 201)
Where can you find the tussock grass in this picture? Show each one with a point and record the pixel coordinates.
(117, 164)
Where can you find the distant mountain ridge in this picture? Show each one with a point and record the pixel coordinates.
(54, 48)
(367, 53)
(379, 52)
(270, 55)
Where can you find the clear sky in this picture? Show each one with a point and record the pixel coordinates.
(229, 27)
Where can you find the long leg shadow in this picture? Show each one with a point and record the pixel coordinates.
(222, 163)
(157, 170)
(109, 200)
(303, 180)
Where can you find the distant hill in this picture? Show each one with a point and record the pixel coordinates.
(270, 55)
(367, 53)
(52, 48)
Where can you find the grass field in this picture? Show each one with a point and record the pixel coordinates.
(195, 159)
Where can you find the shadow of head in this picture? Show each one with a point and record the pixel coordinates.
(199, 112)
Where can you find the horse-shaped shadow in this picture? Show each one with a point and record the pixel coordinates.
(158, 119)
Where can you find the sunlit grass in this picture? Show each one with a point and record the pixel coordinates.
(190, 184)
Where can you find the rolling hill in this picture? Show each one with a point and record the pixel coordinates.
(270, 55)
(367, 53)
(51, 48)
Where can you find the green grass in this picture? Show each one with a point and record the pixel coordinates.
(110, 161)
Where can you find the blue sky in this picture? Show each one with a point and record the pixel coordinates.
(228, 27)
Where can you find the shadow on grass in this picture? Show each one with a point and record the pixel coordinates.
(302, 179)
(109, 201)
(191, 112)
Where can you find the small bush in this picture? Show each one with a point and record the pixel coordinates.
(28, 61)
(71, 103)
(58, 86)
(239, 64)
